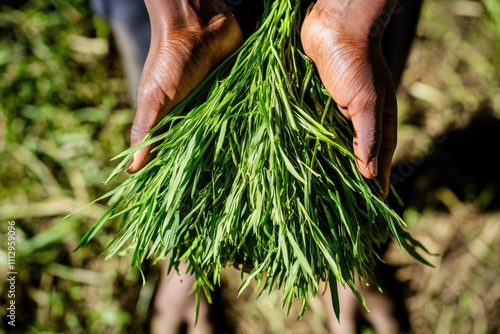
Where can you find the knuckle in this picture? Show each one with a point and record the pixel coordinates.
(367, 96)
(137, 132)
(151, 92)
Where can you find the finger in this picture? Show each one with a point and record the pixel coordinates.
(149, 113)
(389, 140)
(365, 113)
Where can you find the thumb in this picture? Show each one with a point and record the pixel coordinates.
(149, 114)
(366, 117)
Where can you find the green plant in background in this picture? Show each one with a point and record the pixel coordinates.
(61, 121)
(492, 33)
(260, 170)
(62, 118)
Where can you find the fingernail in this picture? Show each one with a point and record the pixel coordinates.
(127, 167)
(373, 166)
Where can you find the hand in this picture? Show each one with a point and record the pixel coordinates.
(188, 39)
(340, 38)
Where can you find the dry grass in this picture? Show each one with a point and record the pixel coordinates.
(462, 294)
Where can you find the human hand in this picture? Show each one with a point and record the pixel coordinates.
(188, 39)
(339, 37)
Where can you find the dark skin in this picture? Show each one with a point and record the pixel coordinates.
(188, 39)
(336, 36)
(191, 37)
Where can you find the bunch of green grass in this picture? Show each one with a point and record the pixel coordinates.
(260, 170)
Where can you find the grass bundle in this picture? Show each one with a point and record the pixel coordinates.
(259, 170)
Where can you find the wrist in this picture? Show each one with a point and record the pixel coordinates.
(360, 19)
(168, 13)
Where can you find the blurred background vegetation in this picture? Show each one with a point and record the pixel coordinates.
(65, 113)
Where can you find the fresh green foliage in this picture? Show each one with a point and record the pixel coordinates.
(260, 170)
(61, 120)
(54, 152)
